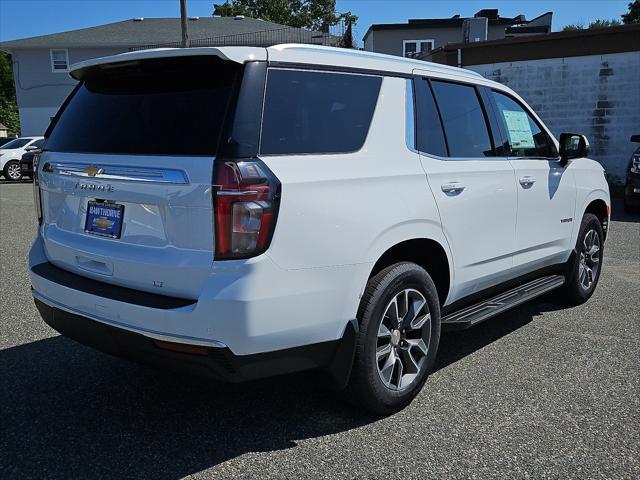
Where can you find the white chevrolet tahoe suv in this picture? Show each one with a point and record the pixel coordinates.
(244, 212)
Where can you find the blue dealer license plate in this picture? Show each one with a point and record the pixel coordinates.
(104, 219)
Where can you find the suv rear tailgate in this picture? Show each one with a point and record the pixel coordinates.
(166, 242)
(138, 213)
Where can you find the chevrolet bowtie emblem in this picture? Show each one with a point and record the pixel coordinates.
(103, 223)
(92, 170)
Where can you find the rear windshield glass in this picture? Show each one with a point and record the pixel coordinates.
(317, 112)
(172, 106)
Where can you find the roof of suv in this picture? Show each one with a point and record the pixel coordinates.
(292, 53)
(342, 57)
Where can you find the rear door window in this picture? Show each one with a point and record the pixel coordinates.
(174, 106)
(463, 119)
(317, 112)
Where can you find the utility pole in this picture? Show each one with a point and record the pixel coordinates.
(183, 23)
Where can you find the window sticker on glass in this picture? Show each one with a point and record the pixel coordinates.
(520, 133)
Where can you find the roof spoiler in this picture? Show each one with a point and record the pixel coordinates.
(232, 54)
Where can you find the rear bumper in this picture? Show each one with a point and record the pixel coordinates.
(250, 306)
(216, 362)
(26, 167)
(252, 318)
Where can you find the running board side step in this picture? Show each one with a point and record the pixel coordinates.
(474, 314)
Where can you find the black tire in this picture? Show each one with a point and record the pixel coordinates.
(366, 387)
(11, 165)
(574, 291)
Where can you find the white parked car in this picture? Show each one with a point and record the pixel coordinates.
(323, 208)
(11, 153)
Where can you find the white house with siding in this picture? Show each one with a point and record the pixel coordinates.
(41, 64)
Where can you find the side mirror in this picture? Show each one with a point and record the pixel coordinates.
(573, 145)
(635, 138)
(31, 148)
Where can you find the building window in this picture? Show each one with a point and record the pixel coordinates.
(59, 60)
(411, 47)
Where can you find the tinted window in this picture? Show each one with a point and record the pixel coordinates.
(166, 107)
(429, 134)
(463, 119)
(317, 112)
(17, 143)
(525, 137)
(38, 143)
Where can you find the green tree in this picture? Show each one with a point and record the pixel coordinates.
(314, 14)
(595, 24)
(604, 24)
(634, 13)
(572, 27)
(8, 106)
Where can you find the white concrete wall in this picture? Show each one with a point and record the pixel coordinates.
(598, 96)
(35, 120)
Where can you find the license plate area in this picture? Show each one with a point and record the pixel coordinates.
(104, 219)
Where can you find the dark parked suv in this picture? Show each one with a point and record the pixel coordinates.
(26, 162)
(632, 186)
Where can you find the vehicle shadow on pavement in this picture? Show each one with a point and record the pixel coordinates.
(455, 345)
(69, 411)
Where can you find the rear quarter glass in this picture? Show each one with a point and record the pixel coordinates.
(317, 112)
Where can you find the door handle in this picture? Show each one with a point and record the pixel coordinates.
(95, 266)
(527, 181)
(453, 187)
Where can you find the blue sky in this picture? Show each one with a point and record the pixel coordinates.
(26, 18)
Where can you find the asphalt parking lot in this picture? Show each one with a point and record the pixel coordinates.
(540, 392)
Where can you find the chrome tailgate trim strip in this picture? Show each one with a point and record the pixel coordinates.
(117, 172)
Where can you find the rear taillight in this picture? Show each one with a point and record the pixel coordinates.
(36, 188)
(246, 198)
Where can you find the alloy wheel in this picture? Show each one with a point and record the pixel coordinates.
(13, 171)
(403, 339)
(589, 259)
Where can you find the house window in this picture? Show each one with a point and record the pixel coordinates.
(59, 60)
(411, 47)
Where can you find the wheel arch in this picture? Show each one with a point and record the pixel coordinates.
(427, 253)
(599, 207)
(590, 198)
